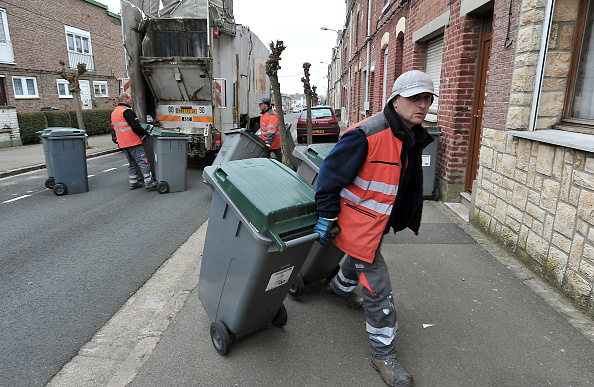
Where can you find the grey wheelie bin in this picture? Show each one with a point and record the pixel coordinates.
(69, 160)
(239, 144)
(167, 152)
(42, 134)
(260, 229)
(429, 164)
(322, 261)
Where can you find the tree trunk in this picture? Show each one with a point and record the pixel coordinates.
(278, 102)
(309, 124)
(79, 115)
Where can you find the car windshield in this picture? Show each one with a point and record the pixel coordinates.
(318, 113)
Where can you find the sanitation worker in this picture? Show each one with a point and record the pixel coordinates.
(269, 129)
(129, 135)
(371, 182)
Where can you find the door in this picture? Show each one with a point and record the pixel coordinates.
(3, 100)
(85, 94)
(480, 87)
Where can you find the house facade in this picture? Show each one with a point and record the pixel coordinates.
(36, 35)
(515, 111)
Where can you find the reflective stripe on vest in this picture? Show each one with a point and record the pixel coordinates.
(124, 133)
(367, 202)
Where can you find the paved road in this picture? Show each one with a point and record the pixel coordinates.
(70, 262)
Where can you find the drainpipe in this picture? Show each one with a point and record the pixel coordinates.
(350, 64)
(540, 67)
(367, 73)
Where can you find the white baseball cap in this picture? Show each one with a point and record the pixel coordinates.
(411, 83)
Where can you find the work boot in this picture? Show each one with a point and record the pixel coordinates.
(152, 185)
(136, 185)
(392, 373)
(353, 301)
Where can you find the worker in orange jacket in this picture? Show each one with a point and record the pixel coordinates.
(129, 133)
(269, 129)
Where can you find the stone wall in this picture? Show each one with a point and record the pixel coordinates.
(9, 127)
(535, 198)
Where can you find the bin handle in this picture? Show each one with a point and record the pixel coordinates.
(309, 237)
(221, 174)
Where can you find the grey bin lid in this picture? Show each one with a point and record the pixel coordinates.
(167, 133)
(66, 132)
(47, 131)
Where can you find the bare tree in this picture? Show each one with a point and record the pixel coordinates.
(272, 67)
(307, 89)
(74, 88)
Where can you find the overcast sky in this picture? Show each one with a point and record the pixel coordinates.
(297, 24)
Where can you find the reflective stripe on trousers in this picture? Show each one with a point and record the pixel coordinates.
(380, 315)
(137, 164)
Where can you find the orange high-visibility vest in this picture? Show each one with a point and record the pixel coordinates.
(126, 137)
(367, 202)
(269, 124)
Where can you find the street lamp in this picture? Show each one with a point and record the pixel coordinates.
(328, 29)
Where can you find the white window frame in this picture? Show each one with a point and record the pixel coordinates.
(6, 52)
(81, 34)
(23, 81)
(100, 84)
(66, 87)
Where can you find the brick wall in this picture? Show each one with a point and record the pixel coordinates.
(9, 127)
(39, 43)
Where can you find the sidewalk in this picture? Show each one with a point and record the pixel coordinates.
(468, 313)
(16, 160)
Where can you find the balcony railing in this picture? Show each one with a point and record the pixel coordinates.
(75, 58)
(6, 53)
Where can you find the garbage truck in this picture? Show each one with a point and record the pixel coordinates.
(193, 69)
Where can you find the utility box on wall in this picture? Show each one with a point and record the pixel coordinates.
(10, 134)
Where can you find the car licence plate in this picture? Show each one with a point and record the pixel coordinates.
(317, 131)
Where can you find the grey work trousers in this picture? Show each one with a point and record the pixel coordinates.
(380, 315)
(137, 163)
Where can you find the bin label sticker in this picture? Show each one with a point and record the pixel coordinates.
(279, 278)
(426, 161)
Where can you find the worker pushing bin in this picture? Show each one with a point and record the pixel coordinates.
(167, 153)
(69, 160)
(239, 144)
(322, 261)
(259, 232)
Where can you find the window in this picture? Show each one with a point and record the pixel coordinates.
(63, 91)
(80, 49)
(6, 53)
(433, 69)
(25, 87)
(580, 104)
(100, 88)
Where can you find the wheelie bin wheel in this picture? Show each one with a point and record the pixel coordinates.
(297, 288)
(60, 189)
(280, 319)
(163, 187)
(220, 337)
(50, 182)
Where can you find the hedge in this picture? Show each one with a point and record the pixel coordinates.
(97, 121)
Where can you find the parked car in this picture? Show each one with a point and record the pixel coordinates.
(323, 123)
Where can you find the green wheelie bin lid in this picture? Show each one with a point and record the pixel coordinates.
(167, 133)
(271, 196)
(318, 152)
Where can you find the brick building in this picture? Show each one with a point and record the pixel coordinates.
(515, 110)
(35, 35)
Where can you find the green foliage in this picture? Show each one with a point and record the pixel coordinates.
(58, 119)
(97, 121)
(29, 123)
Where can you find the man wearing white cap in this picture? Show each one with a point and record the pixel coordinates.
(370, 182)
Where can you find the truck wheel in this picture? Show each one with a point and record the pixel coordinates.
(49, 183)
(297, 288)
(162, 187)
(220, 337)
(280, 319)
(60, 189)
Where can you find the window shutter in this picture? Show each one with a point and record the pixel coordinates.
(433, 69)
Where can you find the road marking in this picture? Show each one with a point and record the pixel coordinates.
(110, 169)
(90, 175)
(15, 199)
